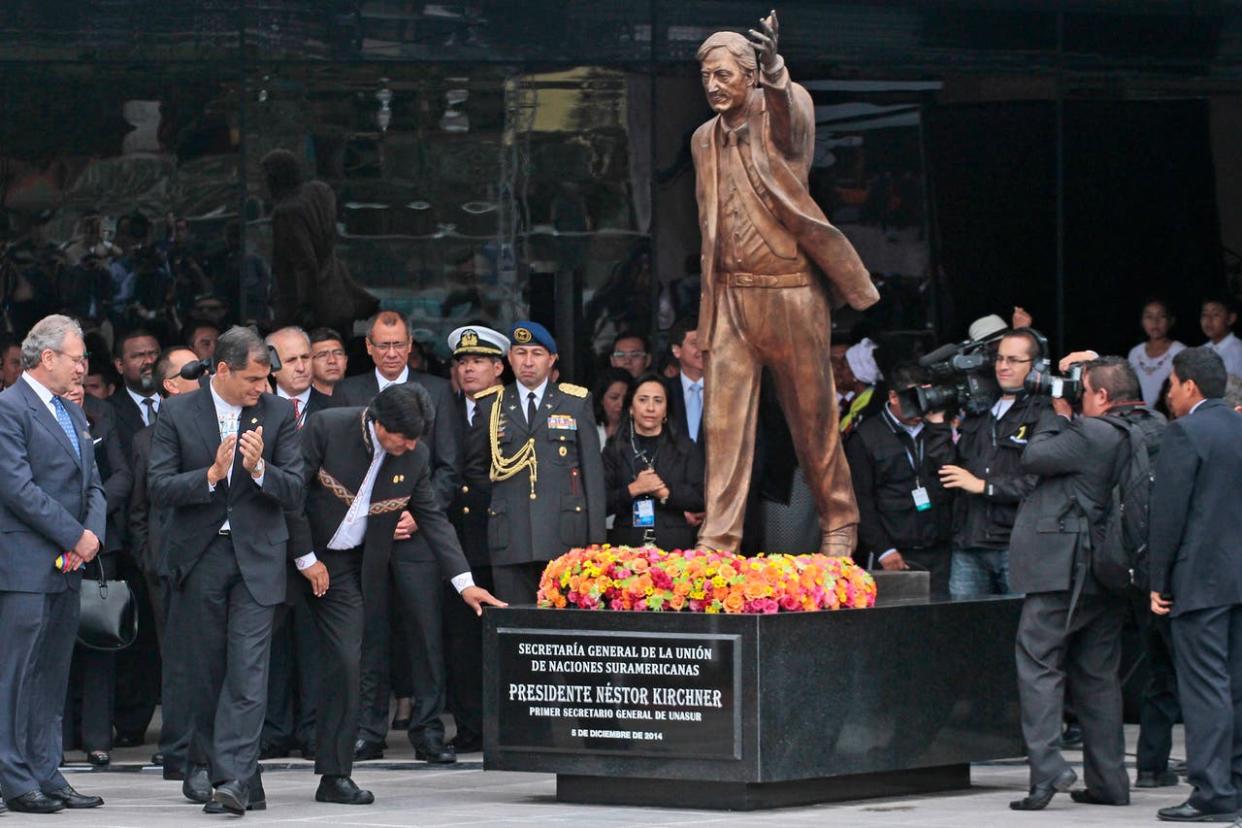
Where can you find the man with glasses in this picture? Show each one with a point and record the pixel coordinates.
(989, 473)
(328, 360)
(631, 353)
(52, 509)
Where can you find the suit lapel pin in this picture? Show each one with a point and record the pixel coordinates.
(254, 420)
(396, 478)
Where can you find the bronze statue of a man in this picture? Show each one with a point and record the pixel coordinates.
(767, 248)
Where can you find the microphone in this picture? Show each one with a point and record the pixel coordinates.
(194, 370)
(940, 354)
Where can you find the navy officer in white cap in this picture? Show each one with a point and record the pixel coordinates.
(478, 364)
(533, 444)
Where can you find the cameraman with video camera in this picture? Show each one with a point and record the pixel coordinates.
(1070, 629)
(988, 472)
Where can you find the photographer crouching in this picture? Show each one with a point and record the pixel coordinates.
(1070, 628)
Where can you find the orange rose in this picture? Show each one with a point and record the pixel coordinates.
(756, 588)
(677, 601)
(734, 602)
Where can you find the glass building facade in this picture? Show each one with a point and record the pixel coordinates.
(495, 160)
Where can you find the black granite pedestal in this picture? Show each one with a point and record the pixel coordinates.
(751, 711)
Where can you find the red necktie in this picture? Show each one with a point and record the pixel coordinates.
(297, 412)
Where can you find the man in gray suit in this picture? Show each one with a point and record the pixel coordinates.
(52, 508)
(226, 460)
(1070, 629)
(1196, 577)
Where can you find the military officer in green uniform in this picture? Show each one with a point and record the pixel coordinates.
(534, 445)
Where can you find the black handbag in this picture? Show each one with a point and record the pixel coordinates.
(109, 618)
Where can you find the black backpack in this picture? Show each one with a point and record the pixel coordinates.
(1121, 561)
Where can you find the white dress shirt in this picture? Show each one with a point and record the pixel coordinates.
(353, 529)
(228, 420)
(1230, 350)
(44, 393)
(523, 391)
(471, 407)
(141, 402)
(383, 382)
(302, 399)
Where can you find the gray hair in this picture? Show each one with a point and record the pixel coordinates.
(237, 346)
(48, 334)
(737, 45)
(288, 329)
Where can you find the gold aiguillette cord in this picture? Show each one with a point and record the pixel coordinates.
(505, 467)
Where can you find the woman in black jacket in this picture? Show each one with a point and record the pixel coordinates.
(653, 474)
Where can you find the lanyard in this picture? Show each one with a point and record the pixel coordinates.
(919, 446)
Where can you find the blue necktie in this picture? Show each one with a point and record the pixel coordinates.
(62, 417)
(694, 410)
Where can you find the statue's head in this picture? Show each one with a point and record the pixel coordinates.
(727, 69)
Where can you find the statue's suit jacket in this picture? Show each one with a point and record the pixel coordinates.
(782, 129)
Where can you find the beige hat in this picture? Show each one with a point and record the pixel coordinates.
(986, 327)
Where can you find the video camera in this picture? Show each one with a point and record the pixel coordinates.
(1068, 388)
(961, 378)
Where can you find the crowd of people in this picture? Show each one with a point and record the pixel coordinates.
(327, 538)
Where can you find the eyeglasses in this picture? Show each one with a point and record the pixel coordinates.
(76, 360)
(389, 346)
(1008, 360)
(335, 352)
(628, 354)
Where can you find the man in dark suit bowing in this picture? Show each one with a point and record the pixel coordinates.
(1196, 577)
(52, 507)
(368, 483)
(293, 673)
(226, 460)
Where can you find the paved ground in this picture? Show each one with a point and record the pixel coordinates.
(414, 794)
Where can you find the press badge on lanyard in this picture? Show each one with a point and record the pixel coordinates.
(921, 501)
(644, 513)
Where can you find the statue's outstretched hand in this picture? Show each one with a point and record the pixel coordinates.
(765, 42)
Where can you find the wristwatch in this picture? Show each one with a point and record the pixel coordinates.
(258, 469)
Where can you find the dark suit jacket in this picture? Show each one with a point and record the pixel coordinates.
(49, 493)
(146, 522)
(468, 511)
(445, 438)
(1196, 519)
(114, 469)
(184, 447)
(337, 451)
(129, 419)
(679, 463)
(1077, 466)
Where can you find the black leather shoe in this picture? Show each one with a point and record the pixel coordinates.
(401, 724)
(127, 740)
(196, 787)
(1183, 813)
(1151, 779)
(1071, 737)
(258, 797)
(173, 773)
(157, 759)
(342, 791)
(434, 751)
(35, 802)
(364, 750)
(233, 796)
(73, 799)
(1041, 795)
(1086, 797)
(99, 758)
(308, 751)
(467, 742)
(273, 750)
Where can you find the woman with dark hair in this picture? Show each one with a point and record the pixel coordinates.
(609, 396)
(653, 475)
(1153, 360)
